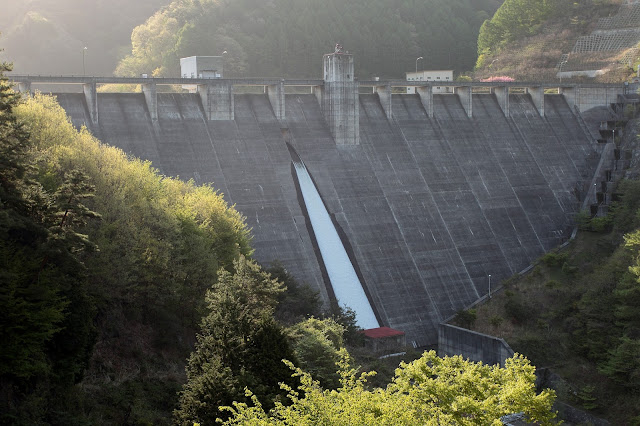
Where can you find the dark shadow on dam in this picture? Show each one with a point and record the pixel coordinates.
(429, 205)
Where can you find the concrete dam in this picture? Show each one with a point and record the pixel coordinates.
(430, 193)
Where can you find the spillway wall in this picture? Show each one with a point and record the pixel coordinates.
(430, 206)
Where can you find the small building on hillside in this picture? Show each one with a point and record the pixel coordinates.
(431, 75)
(384, 340)
(200, 67)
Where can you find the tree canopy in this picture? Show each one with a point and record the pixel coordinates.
(287, 38)
(513, 20)
(428, 391)
(239, 345)
(94, 247)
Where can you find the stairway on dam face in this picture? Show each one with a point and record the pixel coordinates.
(428, 207)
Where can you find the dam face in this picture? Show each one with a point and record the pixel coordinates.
(429, 193)
(430, 206)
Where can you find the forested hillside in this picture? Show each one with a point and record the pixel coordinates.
(577, 311)
(525, 39)
(49, 36)
(287, 38)
(103, 267)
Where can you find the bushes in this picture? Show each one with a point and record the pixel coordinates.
(513, 20)
(554, 259)
(466, 319)
(517, 310)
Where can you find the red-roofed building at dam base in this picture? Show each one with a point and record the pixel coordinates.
(384, 340)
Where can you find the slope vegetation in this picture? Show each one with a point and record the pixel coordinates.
(288, 38)
(47, 37)
(577, 312)
(104, 268)
(526, 39)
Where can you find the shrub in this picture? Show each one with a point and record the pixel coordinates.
(517, 310)
(466, 319)
(496, 320)
(567, 269)
(554, 259)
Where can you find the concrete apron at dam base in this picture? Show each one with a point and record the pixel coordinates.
(431, 193)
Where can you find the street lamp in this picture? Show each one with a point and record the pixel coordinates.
(84, 71)
(417, 59)
(562, 63)
(222, 56)
(489, 286)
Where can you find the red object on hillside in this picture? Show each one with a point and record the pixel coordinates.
(382, 332)
(498, 79)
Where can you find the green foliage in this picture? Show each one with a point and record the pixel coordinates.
(240, 345)
(623, 364)
(586, 398)
(554, 259)
(517, 310)
(552, 284)
(625, 210)
(48, 38)
(513, 20)
(496, 320)
(161, 240)
(568, 269)
(285, 38)
(316, 344)
(466, 318)
(428, 391)
(298, 301)
(346, 317)
(145, 265)
(46, 315)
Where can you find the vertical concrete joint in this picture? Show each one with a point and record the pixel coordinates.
(572, 96)
(502, 96)
(465, 93)
(277, 99)
(151, 98)
(217, 100)
(24, 87)
(317, 91)
(91, 96)
(384, 95)
(537, 97)
(426, 97)
(340, 100)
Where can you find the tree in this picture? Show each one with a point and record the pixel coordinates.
(316, 344)
(298, 301)
(428, 391)
(514, 19)
(240, 345)
(46, 317)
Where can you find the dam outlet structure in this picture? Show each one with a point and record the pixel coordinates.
(430, 193)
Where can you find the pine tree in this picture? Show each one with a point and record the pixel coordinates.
(240, 346)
